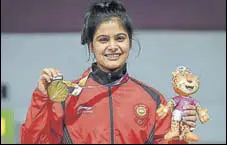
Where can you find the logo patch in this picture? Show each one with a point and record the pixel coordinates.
(141, 111)
(141, 114)
(84, 110)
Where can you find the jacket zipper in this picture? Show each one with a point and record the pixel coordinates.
(111, 115)
(66, 137)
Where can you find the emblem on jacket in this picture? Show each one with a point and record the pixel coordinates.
(84, 110)
(141, 114)
(141, 110)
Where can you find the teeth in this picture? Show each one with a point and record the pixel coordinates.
(112, 55)
(189, 87)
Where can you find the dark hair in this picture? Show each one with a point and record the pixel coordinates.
(100, 11)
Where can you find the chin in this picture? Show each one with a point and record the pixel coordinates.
(114, 66)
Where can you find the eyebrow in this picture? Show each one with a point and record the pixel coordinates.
(108, 35)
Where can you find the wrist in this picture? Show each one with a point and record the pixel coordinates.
(38, 94)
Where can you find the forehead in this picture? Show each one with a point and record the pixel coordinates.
(112, 26)
(186, 74)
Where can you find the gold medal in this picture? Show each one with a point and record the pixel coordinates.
(57, 90)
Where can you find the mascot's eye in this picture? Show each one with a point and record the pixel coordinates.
(190, 81)
(182, 74)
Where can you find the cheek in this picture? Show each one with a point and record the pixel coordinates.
(126, 50)
(98, 49)
(125, 47)
(126, 54)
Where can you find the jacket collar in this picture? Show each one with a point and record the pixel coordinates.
(107, 77)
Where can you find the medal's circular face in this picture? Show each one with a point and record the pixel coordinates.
(57, 91)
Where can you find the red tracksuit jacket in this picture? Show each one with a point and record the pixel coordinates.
(115, 108)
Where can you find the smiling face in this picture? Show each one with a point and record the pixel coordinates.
(185, 83)
(110, 45)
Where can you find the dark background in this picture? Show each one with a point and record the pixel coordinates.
(22, 16)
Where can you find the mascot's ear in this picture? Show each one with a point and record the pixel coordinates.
(174, 74)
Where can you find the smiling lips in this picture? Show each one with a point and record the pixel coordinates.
(189, 87)
(112, 57)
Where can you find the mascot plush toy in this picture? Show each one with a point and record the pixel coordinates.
(184, 84)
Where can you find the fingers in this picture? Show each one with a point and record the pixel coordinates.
(190, 116)
(191, 124)
(190, 113)
(162, 115)
(205, 118)
(46, 77)
(51, 72)
(190, 110)
(205, 110)
(189, 107)
(57, 72)
(190, 120)
(47, 71)
(160, 109)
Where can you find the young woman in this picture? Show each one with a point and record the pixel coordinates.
(110, 106)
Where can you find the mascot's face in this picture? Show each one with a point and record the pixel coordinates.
(184, 82)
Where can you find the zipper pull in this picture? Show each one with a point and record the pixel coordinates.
(109, 76)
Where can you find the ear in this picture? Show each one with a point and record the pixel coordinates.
(130, 44)
(91, 47)
(173, 74)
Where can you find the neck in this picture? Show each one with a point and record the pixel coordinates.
(109, 70)
(105, 76)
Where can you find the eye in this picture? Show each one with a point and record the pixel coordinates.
(103, 39)
(120, 38)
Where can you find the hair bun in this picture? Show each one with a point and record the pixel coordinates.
(104, 4)
(107, 6)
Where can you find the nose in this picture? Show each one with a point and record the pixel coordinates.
(112, 49)
(112, 46)
(189, 78)
(112, 42)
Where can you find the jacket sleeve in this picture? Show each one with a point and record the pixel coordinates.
(43, 122)
(162, 127)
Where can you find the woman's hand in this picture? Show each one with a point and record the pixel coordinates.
(46, 77)
(190, 115)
